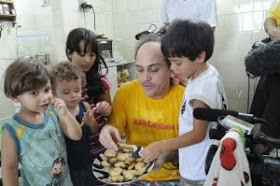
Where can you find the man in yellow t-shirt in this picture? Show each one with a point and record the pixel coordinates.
(272, 23)
(147, 109)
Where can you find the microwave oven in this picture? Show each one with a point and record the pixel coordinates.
(106, 48)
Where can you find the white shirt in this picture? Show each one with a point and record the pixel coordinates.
(189, 9)
(208, 88)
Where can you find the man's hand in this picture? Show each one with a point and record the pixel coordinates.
(108, 137)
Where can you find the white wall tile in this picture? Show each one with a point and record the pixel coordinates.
(7, 108)
(132, 5)
(234, 6)
(238, 105)
(258, 36)
(231, 23)
(253, 21)
(263, 4)
(240, 25)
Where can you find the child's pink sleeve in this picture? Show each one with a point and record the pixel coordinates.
(105, 82)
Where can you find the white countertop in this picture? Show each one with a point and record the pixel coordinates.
(119, 63)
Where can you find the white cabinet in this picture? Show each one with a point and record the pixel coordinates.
(113, 73)
(113, 78)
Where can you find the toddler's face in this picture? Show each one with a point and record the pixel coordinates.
(70, 92)
(36, 100)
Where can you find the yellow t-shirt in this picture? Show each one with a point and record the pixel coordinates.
(275, 13)
(145, 120)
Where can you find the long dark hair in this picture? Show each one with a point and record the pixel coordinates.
(94, 86)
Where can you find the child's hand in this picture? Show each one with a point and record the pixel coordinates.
(174, 79)
(177, 80)
(152, 151)
(88, 119)
(59, 106)
(159, 162)
(103, 108)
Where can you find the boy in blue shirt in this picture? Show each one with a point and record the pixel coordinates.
(34, 137)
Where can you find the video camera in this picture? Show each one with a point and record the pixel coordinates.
(265, 169)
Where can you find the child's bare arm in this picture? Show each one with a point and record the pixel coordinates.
(154, 149)
(70, 126)
(89, 119)
(9, 159)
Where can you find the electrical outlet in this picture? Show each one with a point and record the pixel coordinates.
(83, 1)
(81, 4)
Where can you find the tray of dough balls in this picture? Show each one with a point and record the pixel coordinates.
(121, 167)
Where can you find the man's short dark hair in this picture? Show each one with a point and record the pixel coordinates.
(188, 38)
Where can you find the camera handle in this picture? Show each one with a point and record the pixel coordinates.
(260, 137)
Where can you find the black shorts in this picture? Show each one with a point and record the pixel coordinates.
(82, 178)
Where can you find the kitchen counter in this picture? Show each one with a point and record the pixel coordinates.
(119, 62)
(113, 72)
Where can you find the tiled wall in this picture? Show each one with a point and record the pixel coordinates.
(7, 55)
(29, 35)
(240, 24)
(34, 29)
(68, 15)
(43, 28)
(131, 17)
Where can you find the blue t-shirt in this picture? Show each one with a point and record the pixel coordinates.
(41, 150)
